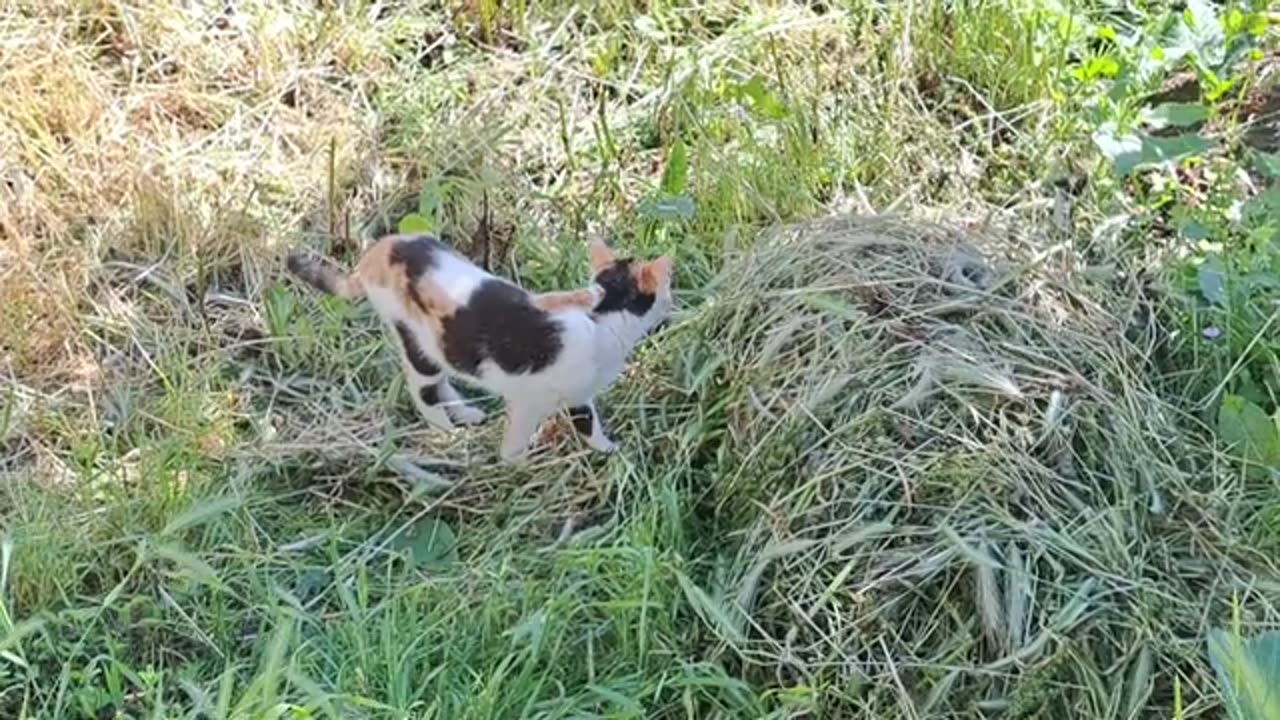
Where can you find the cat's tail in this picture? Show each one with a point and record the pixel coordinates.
(317, 273)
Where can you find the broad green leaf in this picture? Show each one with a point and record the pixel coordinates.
(1115, 146)
(1256, 24)
(676, 207)
(415, 224)
(430, 200)
(1197, 31)
(1248, 388)
(1212, 278)
(1175, 114)
(1247, 428)
(1233, 23)
(429, 542)
(763, 100)
(280, 309)
(1248, 674)
(1102, 66)
(1202, 17)
(1172, 149)
(1267, 164)
(1132, 151)
(1217, 87)
(1194, 230)
(675, 176)
(1155, 62)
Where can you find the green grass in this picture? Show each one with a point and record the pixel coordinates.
(855, 482)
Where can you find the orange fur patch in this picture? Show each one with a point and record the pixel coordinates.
(374, 267)
(566, 299)
(651, 275)
(377, 269)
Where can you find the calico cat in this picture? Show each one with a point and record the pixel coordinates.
(542, 352)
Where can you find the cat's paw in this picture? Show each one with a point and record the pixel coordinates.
(464, 414)
(437, 417)
(601, 443)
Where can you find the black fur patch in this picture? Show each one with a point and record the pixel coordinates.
(582, 419)
(501, 324)
(413, 352)
(417, 253)
(621, 291)
(430, 394)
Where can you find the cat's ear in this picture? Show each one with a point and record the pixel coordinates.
(600, 254)
(663, 267)
(655, 273)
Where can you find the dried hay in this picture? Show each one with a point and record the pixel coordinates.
(952, 483)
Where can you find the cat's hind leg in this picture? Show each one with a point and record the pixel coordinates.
(433, 396)
(460, 411)
(586, 420)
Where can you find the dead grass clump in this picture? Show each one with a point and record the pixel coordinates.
(185, 142)
(955, 489)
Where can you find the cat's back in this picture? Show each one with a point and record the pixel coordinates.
(397, 260)
(482, 326)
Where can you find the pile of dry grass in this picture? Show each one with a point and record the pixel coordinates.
(956, 487)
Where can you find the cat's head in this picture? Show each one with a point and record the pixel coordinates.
(636, 292)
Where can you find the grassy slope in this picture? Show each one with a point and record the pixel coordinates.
(210, 469)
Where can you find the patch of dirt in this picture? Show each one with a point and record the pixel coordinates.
(16, 452)
(1178, 87)
(1261, 114)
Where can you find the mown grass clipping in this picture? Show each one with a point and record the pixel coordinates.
(943, 470)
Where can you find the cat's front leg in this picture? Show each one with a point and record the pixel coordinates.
(586, 420)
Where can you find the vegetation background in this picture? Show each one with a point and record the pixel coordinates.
(216, 501)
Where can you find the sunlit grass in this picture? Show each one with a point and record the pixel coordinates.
(856, 478)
